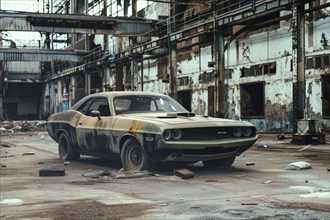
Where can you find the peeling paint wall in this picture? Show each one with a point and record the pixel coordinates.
(268, 45)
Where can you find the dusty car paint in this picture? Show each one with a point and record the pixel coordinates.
(106, 135)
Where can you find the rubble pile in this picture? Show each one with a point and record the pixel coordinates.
(20, 126)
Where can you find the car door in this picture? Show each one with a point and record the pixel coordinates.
(93, 132)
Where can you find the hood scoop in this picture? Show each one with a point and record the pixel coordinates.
(177, 114)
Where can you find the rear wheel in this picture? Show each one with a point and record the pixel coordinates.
(133, 156)
(66, 150)
(225, 162)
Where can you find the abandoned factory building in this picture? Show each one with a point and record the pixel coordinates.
(262, 61)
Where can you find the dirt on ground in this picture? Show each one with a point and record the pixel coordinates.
(257, 186)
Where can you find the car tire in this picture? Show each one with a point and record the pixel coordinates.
(65, 149)
(225, 162)
(134, 158)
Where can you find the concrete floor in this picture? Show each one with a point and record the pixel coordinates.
(262, 190)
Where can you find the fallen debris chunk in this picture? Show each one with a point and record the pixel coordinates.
(5, 145)
(248, 203)
(250, 163)
(305, 147)
(129, 174)
(52, 172)
(300, 165)
(280, 137)
(261, 146)
(184, 173)
(3, 165)
(28, 153)
(268, 181)
(95, 173)
(329, 169)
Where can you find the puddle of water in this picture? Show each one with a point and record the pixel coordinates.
(11, 202)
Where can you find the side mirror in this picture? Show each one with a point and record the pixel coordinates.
(95, 113)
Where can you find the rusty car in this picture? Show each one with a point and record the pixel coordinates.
(142, 129)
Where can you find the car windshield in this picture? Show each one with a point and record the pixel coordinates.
(142, 104)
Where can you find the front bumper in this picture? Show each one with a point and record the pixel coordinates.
(202, 150)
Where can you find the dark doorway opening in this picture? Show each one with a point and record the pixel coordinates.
(184, 98)
(252, 100)
(326, 96)
(210, 97)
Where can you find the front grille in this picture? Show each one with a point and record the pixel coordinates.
(210, 133)
(208, 151)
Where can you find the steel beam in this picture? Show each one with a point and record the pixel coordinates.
(83, 24)
(11, 54)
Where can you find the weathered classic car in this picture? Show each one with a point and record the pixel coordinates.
(142, 129)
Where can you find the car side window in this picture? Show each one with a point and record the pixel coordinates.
(100, 104)
(84, 107)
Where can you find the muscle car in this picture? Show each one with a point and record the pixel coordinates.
(141, 129)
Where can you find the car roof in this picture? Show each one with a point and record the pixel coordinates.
(114, 94)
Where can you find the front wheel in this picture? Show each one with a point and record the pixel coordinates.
(133, 156)
(225, 162)
(66, 150)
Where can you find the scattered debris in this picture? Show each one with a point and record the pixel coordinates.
(121, 174)
(280, 137)
(7, 145)
(66, 163)
(268, 181)
(52, 172)
(211, 181)
(184, 173)
(17, 126)
(261, 146)
(28, 153)
(94, 173)
(7, 156)
(3, 165)
(250, 163)
(305, 147)
(249, 203)
(300, 165)
(41, 162)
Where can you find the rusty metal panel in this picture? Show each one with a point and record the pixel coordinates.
(37, 55)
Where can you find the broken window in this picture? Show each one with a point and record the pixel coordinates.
(318, 62)
(258, 70)
(206, 77)
(252, 100)
(184, 81)
(326, 96)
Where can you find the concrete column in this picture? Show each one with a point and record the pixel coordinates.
(72, 91)
(173, 70)
(298, 61)
(58, 101)
(87, 83)
(220, 72)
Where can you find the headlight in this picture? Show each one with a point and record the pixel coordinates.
(237, 132)
(167, 135)
(177, 134)
(246, 132)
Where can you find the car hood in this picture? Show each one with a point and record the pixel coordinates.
(183, 118)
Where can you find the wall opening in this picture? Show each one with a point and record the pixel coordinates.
(252, 100)
(184, 98)
(326, 96)
(210, 94)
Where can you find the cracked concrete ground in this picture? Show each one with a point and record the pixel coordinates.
(256, 187)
